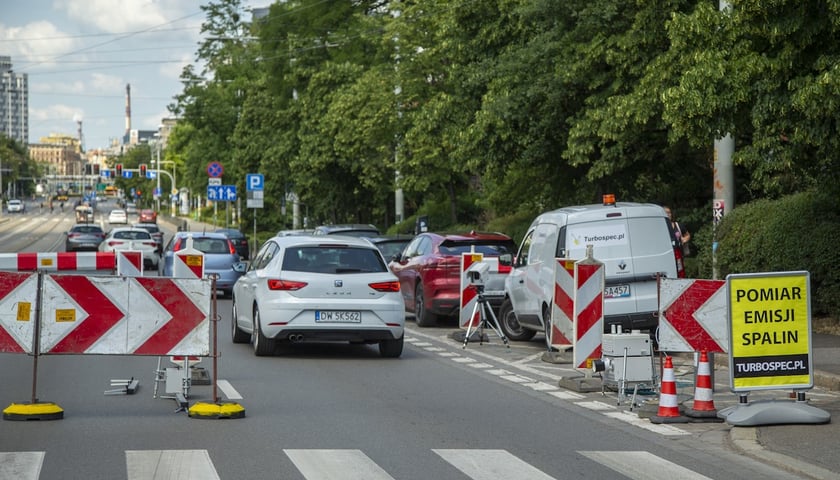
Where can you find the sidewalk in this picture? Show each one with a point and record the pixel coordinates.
(808, 449)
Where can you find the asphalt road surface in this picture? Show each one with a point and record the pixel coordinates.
(337, 411)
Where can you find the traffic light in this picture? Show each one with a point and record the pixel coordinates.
(142, 170)
(118, 168)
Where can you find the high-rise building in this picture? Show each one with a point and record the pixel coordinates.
(14, 102)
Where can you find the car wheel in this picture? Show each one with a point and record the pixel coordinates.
(262, 345)
(546, 317)
(391, 348)
(422, 316)
(510, 325)
(236, 334)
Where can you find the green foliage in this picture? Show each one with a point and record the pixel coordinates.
(794, 233)
(489, 112)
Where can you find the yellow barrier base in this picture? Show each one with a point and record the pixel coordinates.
(33, 411)
(217, 410)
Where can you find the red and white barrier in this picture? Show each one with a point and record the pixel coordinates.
(589, 312)
(469, 295)
(18, 299)
(57, 261)
(693, 316)
(129, 263)
(125, 316)
(188, 262)
(563, 304)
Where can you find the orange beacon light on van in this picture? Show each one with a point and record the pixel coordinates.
(609, 199)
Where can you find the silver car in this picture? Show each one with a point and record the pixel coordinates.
(318, 289)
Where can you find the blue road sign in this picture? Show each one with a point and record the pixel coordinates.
(127, 174)
(254, 182)
(151, 174)
(105, 173)
(221, 193)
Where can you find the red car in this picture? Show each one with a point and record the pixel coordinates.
(429, 270)
(148, 215)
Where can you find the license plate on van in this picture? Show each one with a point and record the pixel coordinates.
(617, 291)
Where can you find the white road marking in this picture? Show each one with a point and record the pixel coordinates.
(491, 465)
(21, 465)
(336, 465)
(633, 419)
(228, 390)
(169, 464)
(643, 466)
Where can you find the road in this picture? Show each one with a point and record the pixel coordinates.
(340, 412)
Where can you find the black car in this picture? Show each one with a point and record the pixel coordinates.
(85, 236)
(240, 241)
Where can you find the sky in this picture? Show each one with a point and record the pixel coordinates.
(80, 55)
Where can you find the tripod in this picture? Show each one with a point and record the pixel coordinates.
(481, 307)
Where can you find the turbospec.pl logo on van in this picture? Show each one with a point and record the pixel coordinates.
(601, 236)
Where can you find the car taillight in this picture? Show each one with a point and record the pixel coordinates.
(151, 244)
(231, 247)
(385, 286)
(113, 243)
(277, 284)
(71, 235)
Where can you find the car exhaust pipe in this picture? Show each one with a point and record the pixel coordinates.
(296, 337)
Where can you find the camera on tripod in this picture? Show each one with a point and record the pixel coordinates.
(477, 273)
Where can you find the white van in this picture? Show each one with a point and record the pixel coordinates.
(633, 240)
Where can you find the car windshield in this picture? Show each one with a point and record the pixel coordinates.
(132, 235)
(211, 245)
(87, 229)
(493, 249)
(333, 259)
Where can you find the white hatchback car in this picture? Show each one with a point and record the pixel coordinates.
(318, 289)
(130, 238)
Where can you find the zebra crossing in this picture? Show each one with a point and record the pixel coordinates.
(350, 464)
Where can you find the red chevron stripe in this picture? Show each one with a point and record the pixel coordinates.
(102, 315)
(680, 314)
(185, 316)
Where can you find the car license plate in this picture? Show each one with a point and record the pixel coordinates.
(338, 316)
(617, 291)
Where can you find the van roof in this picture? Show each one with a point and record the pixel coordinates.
(593, 212)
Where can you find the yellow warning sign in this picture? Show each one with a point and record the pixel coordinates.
(46, 262)
(770, 327)
(65, 315)
(24, 310)
(194, 260)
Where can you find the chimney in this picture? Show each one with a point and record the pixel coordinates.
(127, 110)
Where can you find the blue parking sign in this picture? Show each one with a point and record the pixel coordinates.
(254, 182)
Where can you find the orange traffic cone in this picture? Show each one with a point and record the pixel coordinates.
(669, 411)
(703, 408)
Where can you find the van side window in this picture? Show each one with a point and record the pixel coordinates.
(561, 243)
(524, 249)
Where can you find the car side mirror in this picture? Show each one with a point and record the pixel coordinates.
(240, 267)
